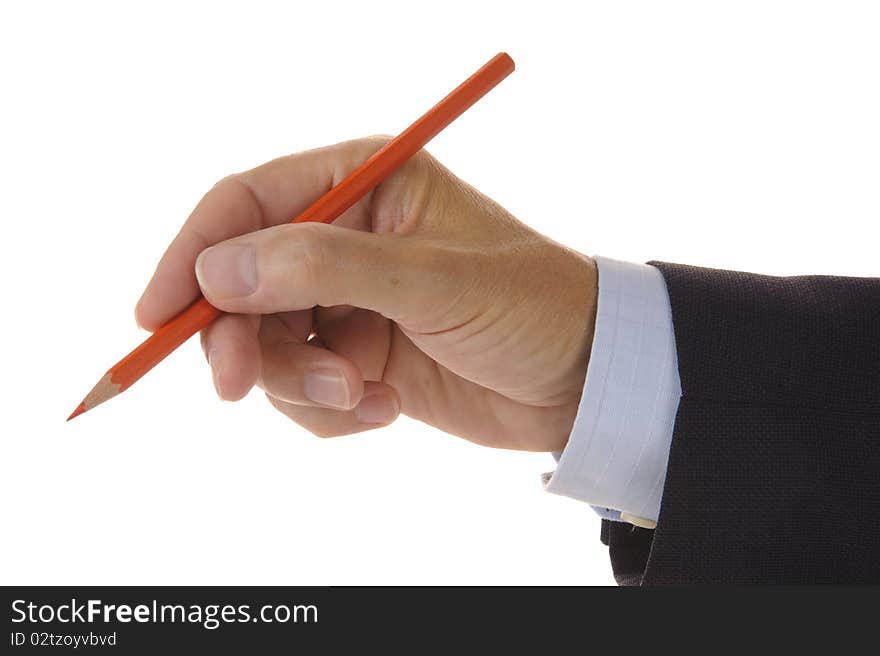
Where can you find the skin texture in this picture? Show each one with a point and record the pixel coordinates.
(425, 298)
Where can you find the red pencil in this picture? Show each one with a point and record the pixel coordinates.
(326, 209)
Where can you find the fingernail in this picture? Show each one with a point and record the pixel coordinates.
(214, 362)
(327, 387)
(377, 409)
(228, 270)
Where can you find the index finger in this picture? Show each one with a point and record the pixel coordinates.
(268, 195)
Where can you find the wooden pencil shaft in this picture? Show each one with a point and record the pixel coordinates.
(393, 154)
(326, 209)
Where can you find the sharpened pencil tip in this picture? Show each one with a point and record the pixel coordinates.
(81, 408)
(105, 389)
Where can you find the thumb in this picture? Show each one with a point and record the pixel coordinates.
(299, 266)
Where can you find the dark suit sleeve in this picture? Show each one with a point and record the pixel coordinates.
(774, 469)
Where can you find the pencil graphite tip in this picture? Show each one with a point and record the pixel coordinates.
(81, 408)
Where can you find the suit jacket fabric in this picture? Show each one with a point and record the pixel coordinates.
(774, 469)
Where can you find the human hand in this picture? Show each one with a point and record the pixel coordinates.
(425, 297)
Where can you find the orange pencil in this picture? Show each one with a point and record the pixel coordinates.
(326, 209)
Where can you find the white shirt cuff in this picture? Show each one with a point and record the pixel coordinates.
(618, 449)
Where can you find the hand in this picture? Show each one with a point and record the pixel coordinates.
(425, 298)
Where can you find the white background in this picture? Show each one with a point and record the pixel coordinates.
(737, 135)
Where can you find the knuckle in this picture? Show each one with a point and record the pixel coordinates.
(425, 162)
(311, 254)
(290, 411)
(227, 180)
(300, 254)
(424, 171)
(366, 146)
(276, 403)
(321, 432)
(378, 139)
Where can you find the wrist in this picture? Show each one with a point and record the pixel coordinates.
(581, 331)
